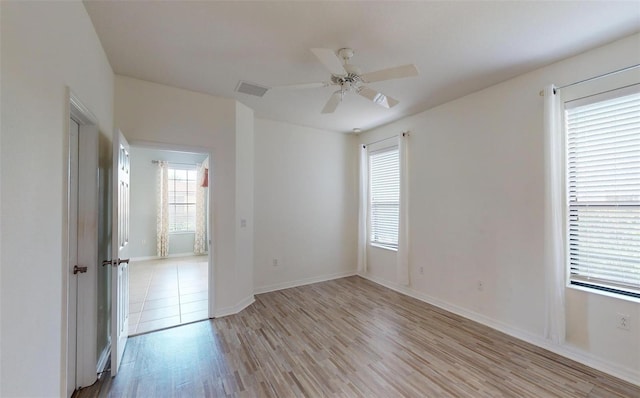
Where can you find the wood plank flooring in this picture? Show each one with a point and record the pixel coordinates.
(346, 338)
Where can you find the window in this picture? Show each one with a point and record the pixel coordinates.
(182, 199)
(603, 191)
(384, 197)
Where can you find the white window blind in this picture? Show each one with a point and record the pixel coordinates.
(384, 194)
(603, 193)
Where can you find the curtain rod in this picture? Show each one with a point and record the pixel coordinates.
(184, 164)
(404, 134)
(592, 78)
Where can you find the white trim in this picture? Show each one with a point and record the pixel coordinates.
(162, 146)
(302, 282)
(241, 305)
(188, 254)
(566, 350)
(80, 112)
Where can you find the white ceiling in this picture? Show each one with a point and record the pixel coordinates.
(458, 47)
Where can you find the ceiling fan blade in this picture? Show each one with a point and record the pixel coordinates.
(377, 97)
(390, 73)
(330, 60)
(333, 102)
(303, 86)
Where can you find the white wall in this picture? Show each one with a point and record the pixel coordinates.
(144, 198)
(45, 48)
(305, 205)
(149, 112)
(244, 196)
(476, 214)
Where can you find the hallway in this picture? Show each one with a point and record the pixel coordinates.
(167, 292)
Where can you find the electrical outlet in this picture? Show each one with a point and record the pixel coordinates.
(274, 262)
(421, 270)
(480, 286)
(623, 321)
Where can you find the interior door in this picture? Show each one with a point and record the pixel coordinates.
(72, 300)
(84, 228)
(120, 257)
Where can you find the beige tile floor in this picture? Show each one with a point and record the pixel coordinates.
(167, 292)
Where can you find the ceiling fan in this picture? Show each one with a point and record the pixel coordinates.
(350, 78)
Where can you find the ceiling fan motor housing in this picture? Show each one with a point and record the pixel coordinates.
(347, 82)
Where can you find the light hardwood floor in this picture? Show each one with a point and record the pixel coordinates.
(342, 338)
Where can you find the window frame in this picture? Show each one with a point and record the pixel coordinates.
(372, 151)
(596, 92)
(171, 200)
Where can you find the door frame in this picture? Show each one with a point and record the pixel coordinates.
(211, 206)
(80, 327)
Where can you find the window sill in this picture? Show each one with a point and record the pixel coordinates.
(604, 293)
(182, 232)
(379, 246)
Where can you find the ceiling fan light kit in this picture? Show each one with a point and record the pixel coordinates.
(350, 78)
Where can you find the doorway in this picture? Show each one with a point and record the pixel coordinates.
(169, 238)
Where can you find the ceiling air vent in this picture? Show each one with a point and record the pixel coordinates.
(251, 88)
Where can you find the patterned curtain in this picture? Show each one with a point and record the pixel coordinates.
(200, 241)
(162, 210)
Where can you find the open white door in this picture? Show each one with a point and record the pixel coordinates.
(120, 257)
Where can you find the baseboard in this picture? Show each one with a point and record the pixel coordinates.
(104, 359)
(226, 311)
(566, 350)
(147, 258)
(302, 282)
